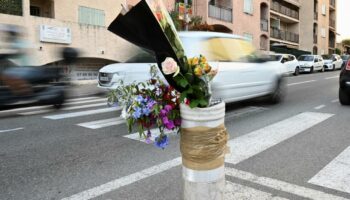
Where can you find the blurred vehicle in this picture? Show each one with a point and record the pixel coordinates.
(345, 59)
(289, 61)
(332, 62)
(310, 63)
(344, 85)
(243, 73)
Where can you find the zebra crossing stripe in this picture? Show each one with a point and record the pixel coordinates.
(87, 101)
(335, 175)
(281, 185)
(257, 141)
(81, 113)
(83, 98)
(103, 123)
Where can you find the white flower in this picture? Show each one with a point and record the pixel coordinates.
(169, 66)
(125, 114)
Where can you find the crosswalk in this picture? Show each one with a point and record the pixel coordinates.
(335, 175)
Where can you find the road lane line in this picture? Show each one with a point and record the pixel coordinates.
(332, 77)
(103, 123)
(36, 112)
(85, 106)
(87, 101)
(237, 191)
(281, 185)
(123, 181)
(83, 98)
(11, 130)
(335, 175)
(319, 107)
(81, 113)
(257, 141)
(335, 101)
(24, 109)
(298, 83)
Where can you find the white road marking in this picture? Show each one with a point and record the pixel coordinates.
(298, 83)
(281, 185)
(36, 112)
(319, 107)
(85, 106)
(123, 181)
(155, 132)
(83, 98)
(331, 77)
(237, 191)
(335, 175)
(11, 130)
(87, 101)
(103, 123)
(245, 111)
(24, 109)
(335, 101)
(82, 113)
(257, 141)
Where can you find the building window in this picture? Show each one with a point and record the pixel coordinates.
(35, 11)
(248, 6)
(323, 32)
(11, 7)
(248, 36)
(323, 9)
(91, 16)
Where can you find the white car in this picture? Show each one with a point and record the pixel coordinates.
(311, 63)
(243, 74)
(289, 61)
(332, 62)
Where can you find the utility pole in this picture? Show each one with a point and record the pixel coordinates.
(186, 15)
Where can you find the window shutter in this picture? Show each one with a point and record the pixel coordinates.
(248, 6)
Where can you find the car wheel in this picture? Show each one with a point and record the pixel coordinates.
(312, 70)
(344, 98)
(60, 101)
(278, 93)
(296, 72)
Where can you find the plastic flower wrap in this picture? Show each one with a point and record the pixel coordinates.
(148, 105)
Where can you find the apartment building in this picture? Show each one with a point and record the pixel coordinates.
(82, 24)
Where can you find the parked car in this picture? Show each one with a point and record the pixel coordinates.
(311, 63)
(243, 73)
(345, 59)
(332, 62)
(289, 61)
(344, 85)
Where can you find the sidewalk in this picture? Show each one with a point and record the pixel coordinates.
(84, 89)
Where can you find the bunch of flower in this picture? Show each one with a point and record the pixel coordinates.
(148, 105)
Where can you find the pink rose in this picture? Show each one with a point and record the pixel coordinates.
(169, 66)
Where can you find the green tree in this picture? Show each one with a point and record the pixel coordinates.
(346, 42)
(337, 51)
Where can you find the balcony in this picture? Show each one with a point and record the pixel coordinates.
(332, 3)
(315, 16)
(315, 39)
(264, 25)
(284, 35)
(220, 13)
(284, 10)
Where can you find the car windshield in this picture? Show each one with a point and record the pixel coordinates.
(345, 57)
(221, 49)
(306, 58)
(275, 57)
(327, 57)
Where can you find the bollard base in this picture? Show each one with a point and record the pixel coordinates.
(208, 185)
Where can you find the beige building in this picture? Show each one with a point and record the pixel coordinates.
(82, 24)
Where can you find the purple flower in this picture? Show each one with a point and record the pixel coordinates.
(146, 111)
(137, 113)
(161, 141)
(139, 99)
(148, 137)
(168, 108)
(170, 125)
(165, 120)
(163, 112)
(150, 104)
(177, 122)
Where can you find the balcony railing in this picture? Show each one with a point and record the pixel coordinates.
(332, 3)
(331, 22)
(284, 35)
(264, 25)
(224, 14)
(315, 15)
(315, 39)
(284, 10)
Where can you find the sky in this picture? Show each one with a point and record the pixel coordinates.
(343, 19)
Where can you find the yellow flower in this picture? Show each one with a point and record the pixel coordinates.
(198, 71)
(207, 68)
(203, 59)
(194, 61)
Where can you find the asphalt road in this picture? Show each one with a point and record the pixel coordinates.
(299, 149)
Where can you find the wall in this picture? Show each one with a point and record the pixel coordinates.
(306, 18)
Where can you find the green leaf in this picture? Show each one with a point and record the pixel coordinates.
(203, 103)
(194, 103)
(183, 83)
(183, 96)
